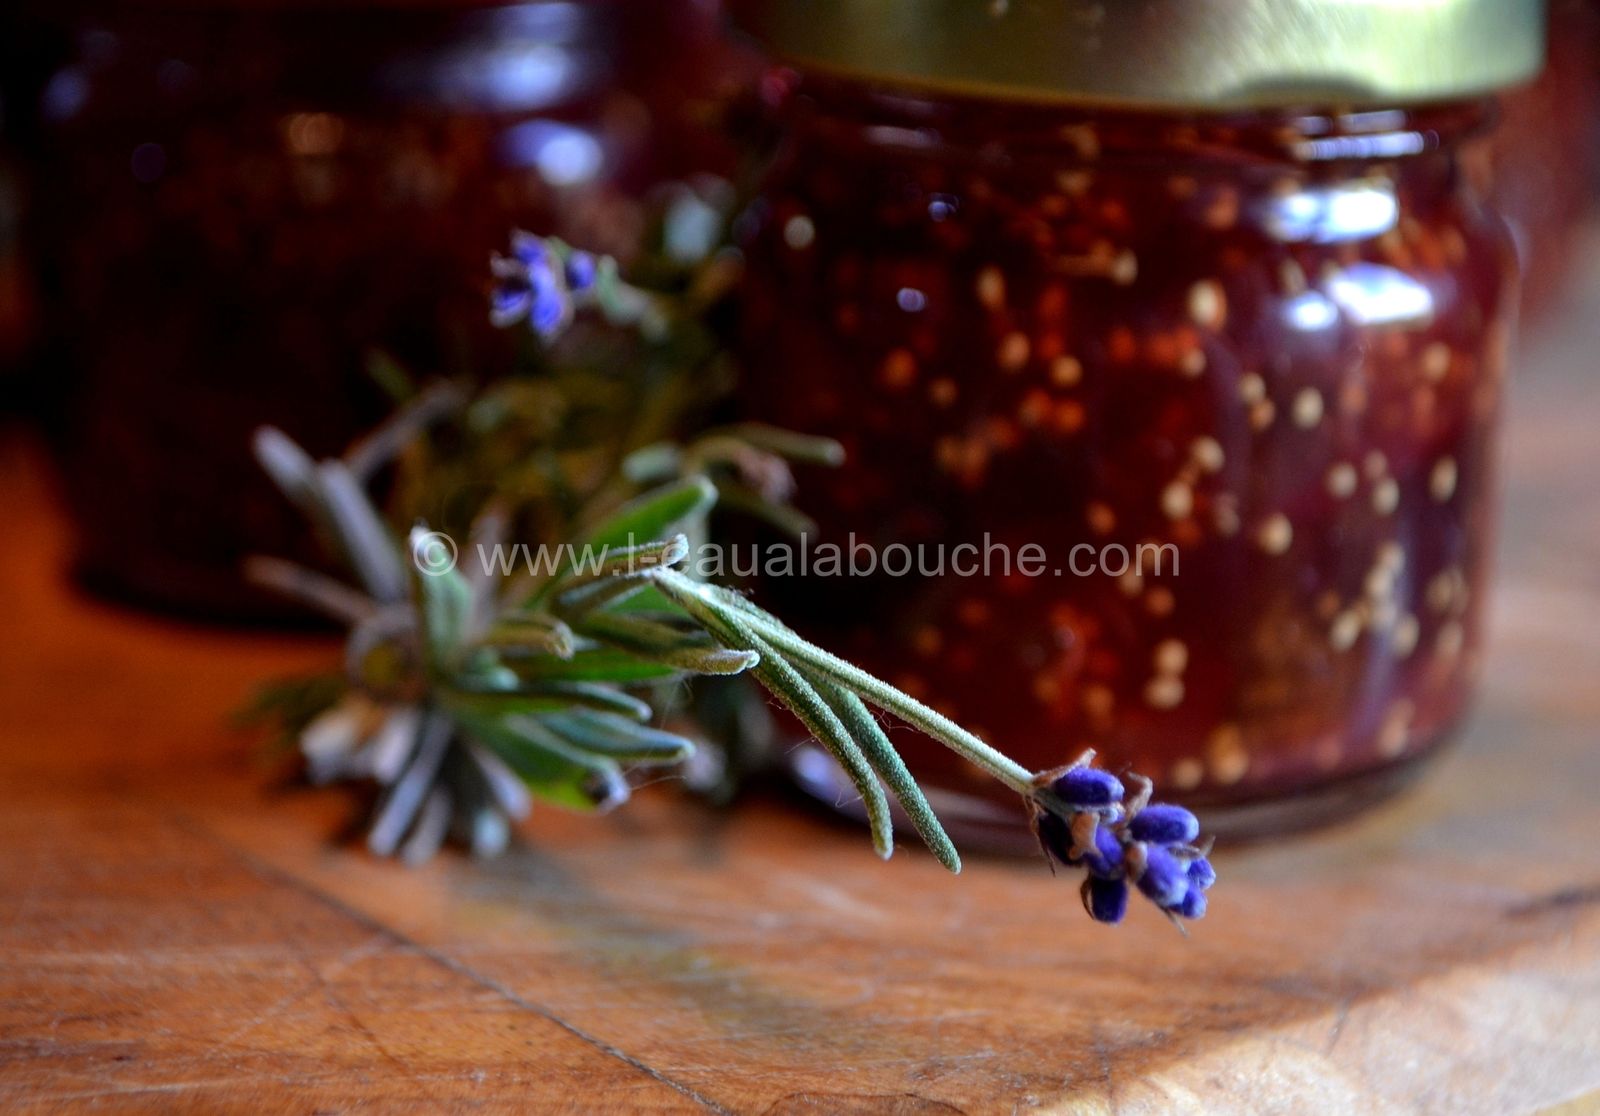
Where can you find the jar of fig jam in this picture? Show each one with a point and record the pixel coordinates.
(240, 200)
(1186, 299)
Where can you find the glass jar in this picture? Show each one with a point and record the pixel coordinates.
(1542, 162)
(249, 199)
(1209, 397)
(21, 63)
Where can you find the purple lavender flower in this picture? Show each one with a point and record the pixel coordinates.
(1105, 900)
(582, 268)
(551, 305)
(1088, 787)
(1164, 880)
(1082, 822)
(1161, 824)
(538, 282)
(509, 304)
(531, 251)
(1105, 859)
(1055, 836)
(1104, 856)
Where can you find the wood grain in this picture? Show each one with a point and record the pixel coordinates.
(180, 932)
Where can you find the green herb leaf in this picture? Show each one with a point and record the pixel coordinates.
(491, 696)
(880, 753)
(595, 664)
(553, 770)
(618, 738)
(653, 515)
(446, 610)
(689, 651)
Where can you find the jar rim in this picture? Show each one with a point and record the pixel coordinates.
(1263, 138)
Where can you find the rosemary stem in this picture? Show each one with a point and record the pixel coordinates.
(875, 691)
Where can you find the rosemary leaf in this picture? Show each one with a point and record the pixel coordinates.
(652, 464)
(664, 644)
(552, 769)
(618, 738)
(798, 695)
(574, 604)
(400, 804)
(291, 469)
(805, 448)
(430, 828)
(532, 634)
(881, 754)
(298, 583)
(785, 517)
(624, 561)
(800, 698)
(653, 515)
(595, 664)
(446, 610)
(543, 697)
(501, 782)
(362, 532)
(872, 690)
(401, 429)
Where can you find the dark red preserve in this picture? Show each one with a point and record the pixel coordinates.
(1240, 370)
(238, 203)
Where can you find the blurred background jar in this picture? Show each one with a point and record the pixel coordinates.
(1201, 288)
(1539, 166)
(20, 77)
(236, 203)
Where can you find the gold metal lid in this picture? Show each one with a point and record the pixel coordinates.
(1201, 54)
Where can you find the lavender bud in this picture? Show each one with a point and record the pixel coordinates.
(1160, 824)
(1105, 859)
(549, 313)
(1201, 874)
(551, 306)
(1055, 837)
(581, 270)
(1105, 900)
(1165, 880)
(1088, 788)
(1193, 905)
(529, 249)
(508, 304)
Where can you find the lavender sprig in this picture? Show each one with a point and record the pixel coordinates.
(467, 694)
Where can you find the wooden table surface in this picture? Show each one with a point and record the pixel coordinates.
(179, 931)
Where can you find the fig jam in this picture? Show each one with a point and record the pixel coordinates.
(247, 200)
(1240, 372)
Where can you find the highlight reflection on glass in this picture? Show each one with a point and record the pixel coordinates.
(563, 155)
(1331, 214)
(1375, 294)
(1310, 312)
